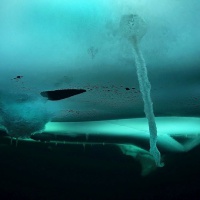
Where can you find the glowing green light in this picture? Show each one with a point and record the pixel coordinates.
(168, 127)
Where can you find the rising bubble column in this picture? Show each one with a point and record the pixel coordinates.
(133, 28)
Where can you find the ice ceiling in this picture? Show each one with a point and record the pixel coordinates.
(66, 61)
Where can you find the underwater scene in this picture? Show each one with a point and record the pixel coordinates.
(99, 99)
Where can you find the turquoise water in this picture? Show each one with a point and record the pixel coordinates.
(108, 87)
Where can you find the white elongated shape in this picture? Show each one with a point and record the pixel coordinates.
(133, 28)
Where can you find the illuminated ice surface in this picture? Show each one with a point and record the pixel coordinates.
(67, 63)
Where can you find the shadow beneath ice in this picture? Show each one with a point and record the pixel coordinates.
(39, 170)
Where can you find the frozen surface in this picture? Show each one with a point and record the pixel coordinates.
(65, 44)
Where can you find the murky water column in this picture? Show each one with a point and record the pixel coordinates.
(133, 28)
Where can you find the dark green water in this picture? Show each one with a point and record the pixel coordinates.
(46, 171)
